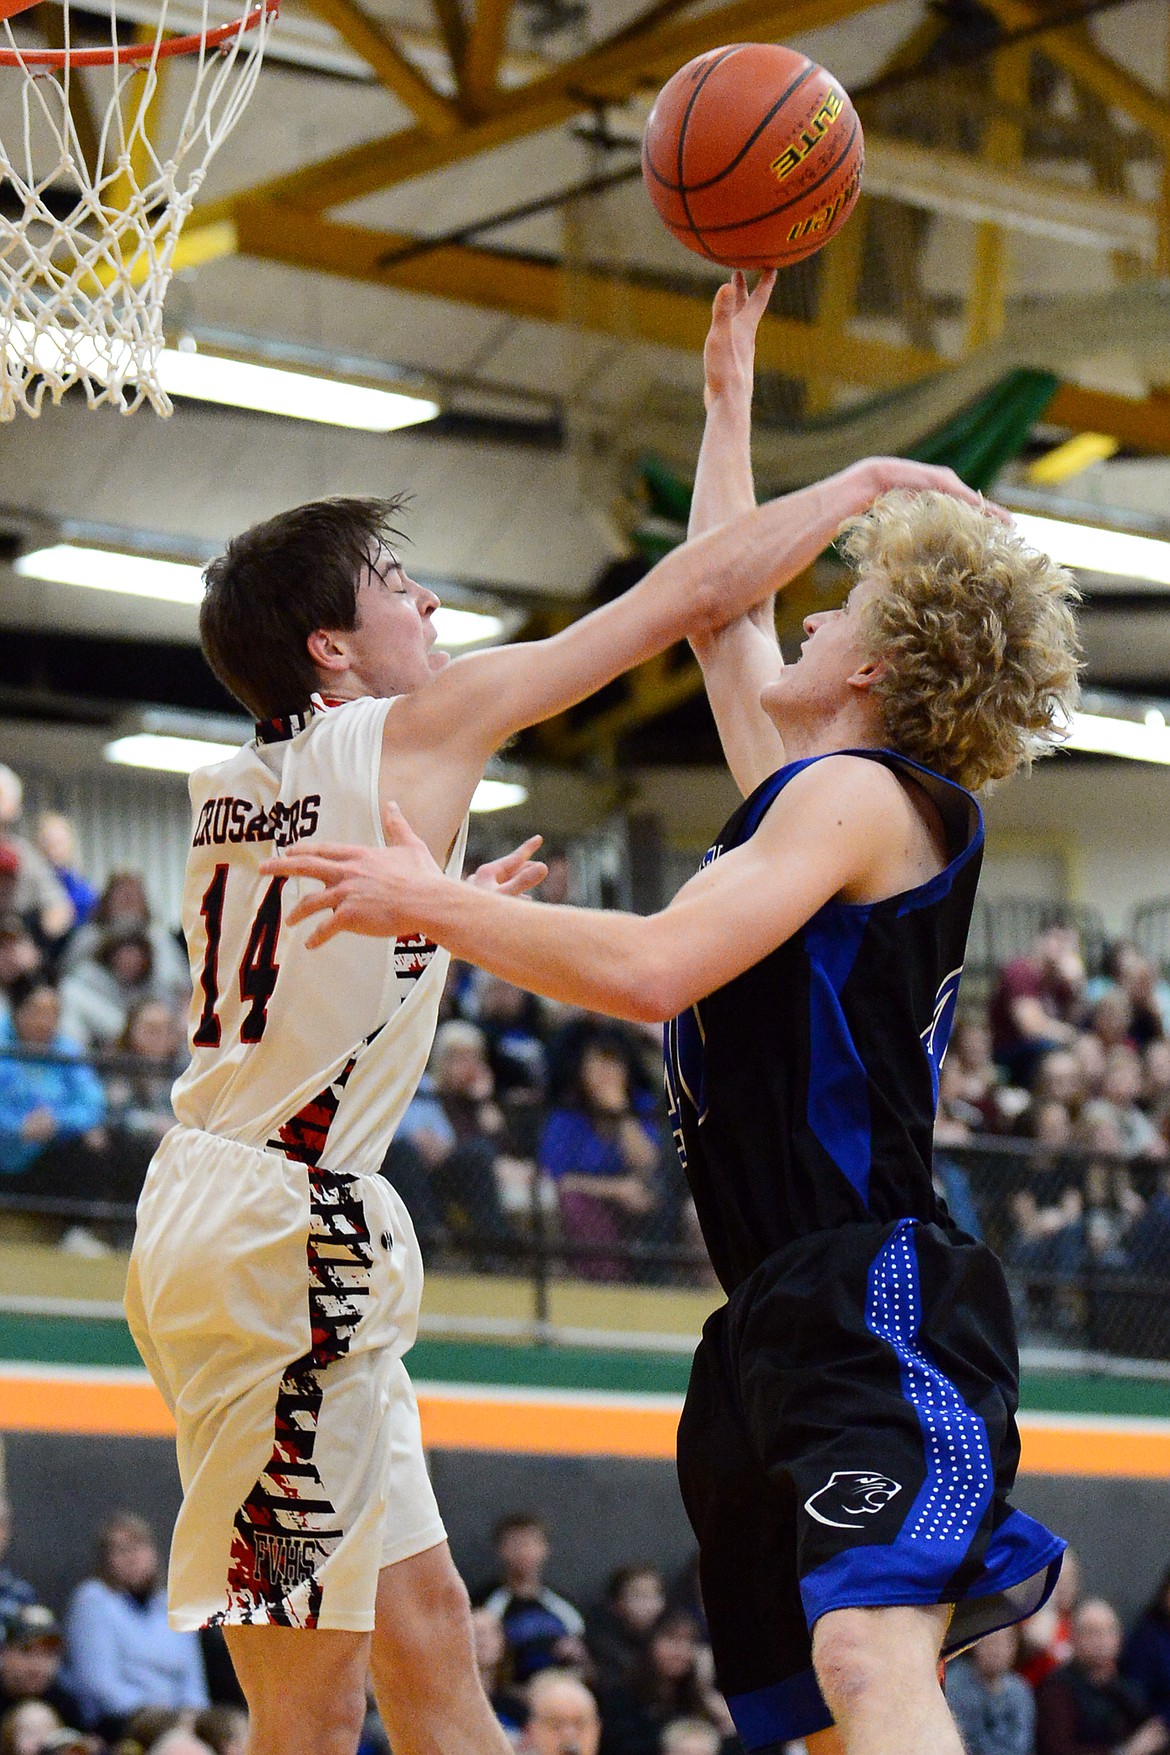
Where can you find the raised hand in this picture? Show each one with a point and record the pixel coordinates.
(513, 874)
(730, 349)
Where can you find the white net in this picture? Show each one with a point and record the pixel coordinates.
(93, 195)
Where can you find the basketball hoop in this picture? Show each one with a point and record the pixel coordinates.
(102, 181)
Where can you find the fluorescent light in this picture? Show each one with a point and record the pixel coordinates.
(210, 377)
(170, 755)
(463, 627)
(180, 755)
(1103, 735)
(1095, 550)
(104, 569)
(498, 795)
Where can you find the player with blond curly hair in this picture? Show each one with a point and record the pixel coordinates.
(848, 1442)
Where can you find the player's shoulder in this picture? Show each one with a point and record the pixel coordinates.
(345, 733)
(338, 718)
(842, 800)
(852, 781)
(218, 776)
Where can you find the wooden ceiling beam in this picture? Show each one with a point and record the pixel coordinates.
(481, 61)
(1018, 200)
(437, 116)
(1072, 47)
(1002, 151)
(611, 72)
(453, 30)
(521, 287)
(1140, 424)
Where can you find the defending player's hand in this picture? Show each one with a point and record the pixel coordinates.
(513, 874)
(365, 889)
(730, 350)
(875, 476)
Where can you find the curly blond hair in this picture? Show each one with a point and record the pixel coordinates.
(975, 631)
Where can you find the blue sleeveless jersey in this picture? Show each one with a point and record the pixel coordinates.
(802, 1094)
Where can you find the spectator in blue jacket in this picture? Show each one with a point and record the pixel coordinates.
(49, 1106)
(603, 1151)
(58, 843)
(1145, 1658)
(122, 1654)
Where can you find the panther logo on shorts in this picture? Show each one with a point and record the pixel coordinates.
(849, 1495)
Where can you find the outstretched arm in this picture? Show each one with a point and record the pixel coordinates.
(473, 706)
(829, 832)
(737, 660)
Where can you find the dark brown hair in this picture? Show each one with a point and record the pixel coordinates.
(275, 585)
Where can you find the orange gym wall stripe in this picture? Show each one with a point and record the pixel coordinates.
(117, 1404)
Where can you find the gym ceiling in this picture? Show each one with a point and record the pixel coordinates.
(453, 194)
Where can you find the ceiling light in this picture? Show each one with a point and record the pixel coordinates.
(166, 754)
(498, 795)
(236, 383)
(105, 569)
(1094, 550)
(1102, 735)
(463, 627)
(302, 395)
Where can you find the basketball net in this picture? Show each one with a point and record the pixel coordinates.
(95, 203)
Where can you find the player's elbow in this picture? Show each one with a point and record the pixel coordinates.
(653, 987)
(708, 612)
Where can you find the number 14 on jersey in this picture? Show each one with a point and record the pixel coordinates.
(258, 969)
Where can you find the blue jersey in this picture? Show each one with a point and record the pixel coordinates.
(802, 1093)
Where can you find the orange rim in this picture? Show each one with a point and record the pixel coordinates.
(133, 52)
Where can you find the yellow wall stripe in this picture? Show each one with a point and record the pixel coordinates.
(543, 1422)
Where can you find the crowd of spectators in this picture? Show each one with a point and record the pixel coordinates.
(536, 1121)
(93, 1002)
(1074, 1067)
(531, 1117)
(629, 1675)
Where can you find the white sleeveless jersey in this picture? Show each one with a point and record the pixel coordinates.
(314, 1053)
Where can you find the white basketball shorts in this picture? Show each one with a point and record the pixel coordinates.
(272, 1302)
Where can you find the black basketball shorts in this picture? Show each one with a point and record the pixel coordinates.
(849, 1440)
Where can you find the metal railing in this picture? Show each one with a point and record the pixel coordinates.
(1084, 1238)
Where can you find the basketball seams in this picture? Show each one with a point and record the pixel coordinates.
(647, 160)
(735, 225)
(682, 137)
(682, 188)
(699, 121)
(701, 233)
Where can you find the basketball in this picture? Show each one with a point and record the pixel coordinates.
(753, 155)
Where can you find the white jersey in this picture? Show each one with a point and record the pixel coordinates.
(314, 1053)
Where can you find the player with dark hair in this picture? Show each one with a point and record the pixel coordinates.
(276, 1277)
(848, 1441)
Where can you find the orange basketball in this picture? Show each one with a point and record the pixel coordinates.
(753, 155)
